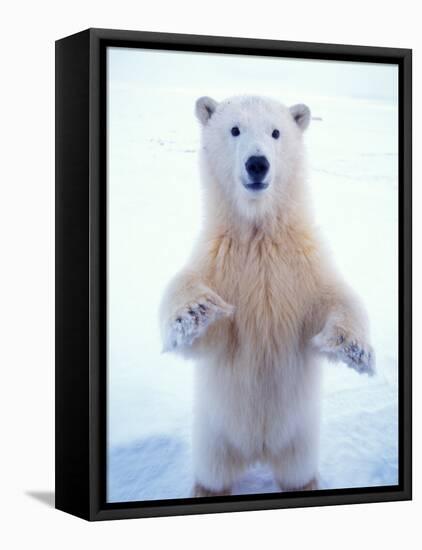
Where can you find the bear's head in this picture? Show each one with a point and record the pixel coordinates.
(252, 149)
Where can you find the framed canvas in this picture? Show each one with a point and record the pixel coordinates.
(233, 274)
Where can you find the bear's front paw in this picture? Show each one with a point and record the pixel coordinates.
(192, 321)
(338, 345)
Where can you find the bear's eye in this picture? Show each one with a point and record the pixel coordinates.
(276, 134)
(235, 131)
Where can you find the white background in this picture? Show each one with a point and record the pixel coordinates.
(27, 273)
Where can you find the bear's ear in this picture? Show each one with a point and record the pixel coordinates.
(204, 108)
(302, 115)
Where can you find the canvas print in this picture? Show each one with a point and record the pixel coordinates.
(252, 282)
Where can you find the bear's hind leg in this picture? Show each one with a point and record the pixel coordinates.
(201, 491)
(296, 467)
(217, 465)
(312, 485)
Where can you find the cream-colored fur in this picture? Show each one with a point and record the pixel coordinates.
(258, 302)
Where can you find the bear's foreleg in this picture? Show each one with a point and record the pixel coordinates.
(188, 309)
(344, 336)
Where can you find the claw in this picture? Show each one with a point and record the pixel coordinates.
(193, 321)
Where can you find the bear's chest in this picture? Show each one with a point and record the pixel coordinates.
(270, 284)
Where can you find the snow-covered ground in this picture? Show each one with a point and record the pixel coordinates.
(154, 215)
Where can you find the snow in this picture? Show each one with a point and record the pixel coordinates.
(154, 214)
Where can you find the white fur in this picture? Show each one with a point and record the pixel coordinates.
(258, 302)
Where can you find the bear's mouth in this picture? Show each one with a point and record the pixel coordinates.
(256, 185)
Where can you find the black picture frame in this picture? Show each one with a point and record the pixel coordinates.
(81, 273)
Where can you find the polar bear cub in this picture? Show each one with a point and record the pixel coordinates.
(259, 301)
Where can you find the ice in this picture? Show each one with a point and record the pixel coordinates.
(154, 215)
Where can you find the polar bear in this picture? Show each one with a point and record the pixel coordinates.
(259, 301)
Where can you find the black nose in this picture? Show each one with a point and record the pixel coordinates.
(257, 167)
